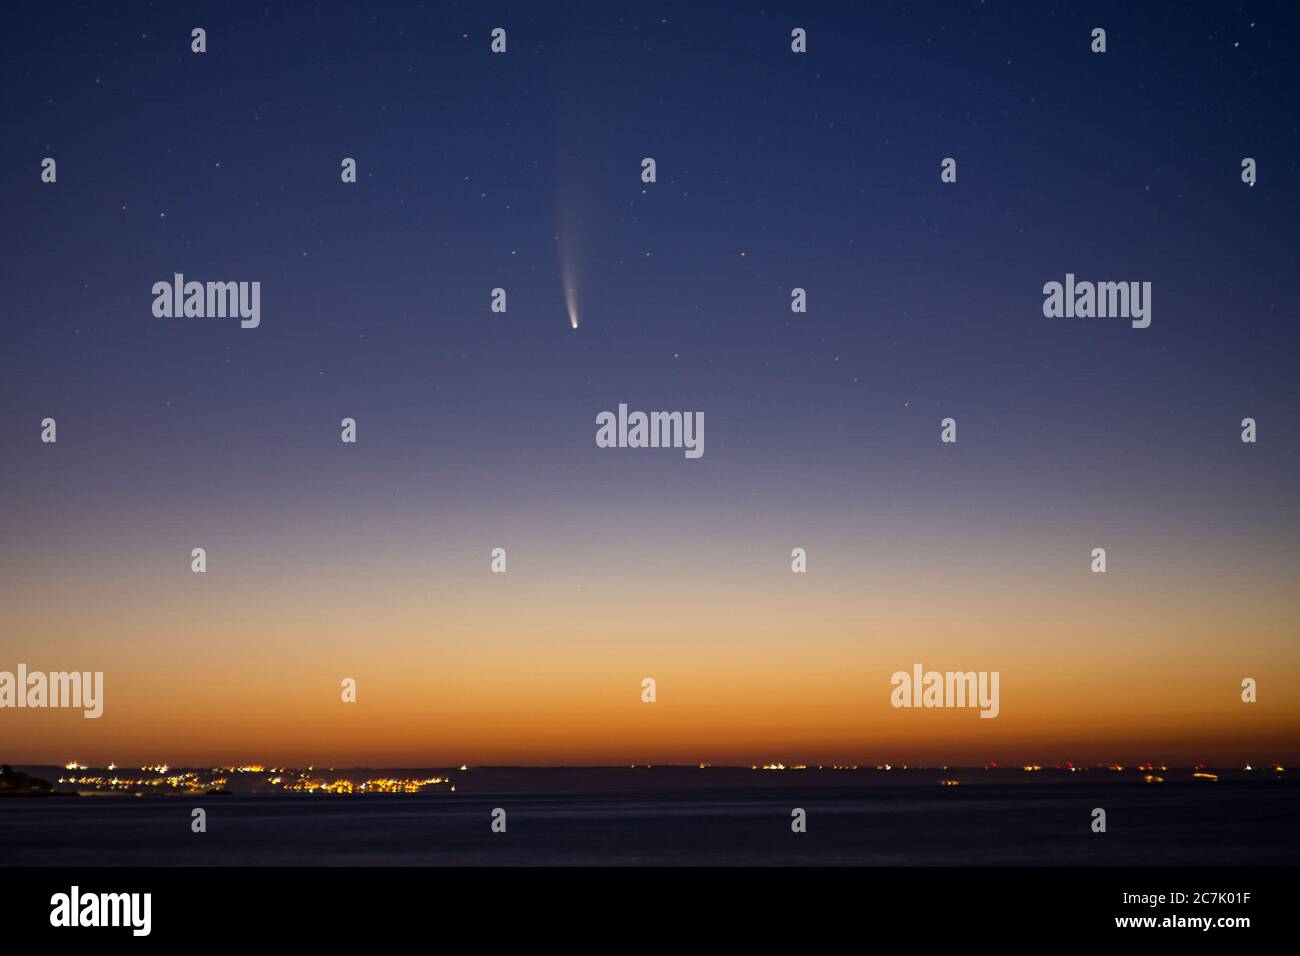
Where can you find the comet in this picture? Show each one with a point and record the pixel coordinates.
(572, 215)
(571, 303)
(568, 275)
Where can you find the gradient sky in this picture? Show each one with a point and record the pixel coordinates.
(476, 430)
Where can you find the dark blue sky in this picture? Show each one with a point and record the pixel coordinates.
(822, 169)
(775, 170)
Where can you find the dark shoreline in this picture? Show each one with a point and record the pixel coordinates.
(208, 781)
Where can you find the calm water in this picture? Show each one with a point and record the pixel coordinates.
(1226, 824)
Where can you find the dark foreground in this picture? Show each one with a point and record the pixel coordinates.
(1227, 823)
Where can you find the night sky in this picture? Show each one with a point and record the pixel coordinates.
(775, 170)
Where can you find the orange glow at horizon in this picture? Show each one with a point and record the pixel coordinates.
(545, 666)
(537, 674)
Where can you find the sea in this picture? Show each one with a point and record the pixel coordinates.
(631, 818)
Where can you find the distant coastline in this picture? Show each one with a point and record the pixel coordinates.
(16, 783)
(259, 780)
